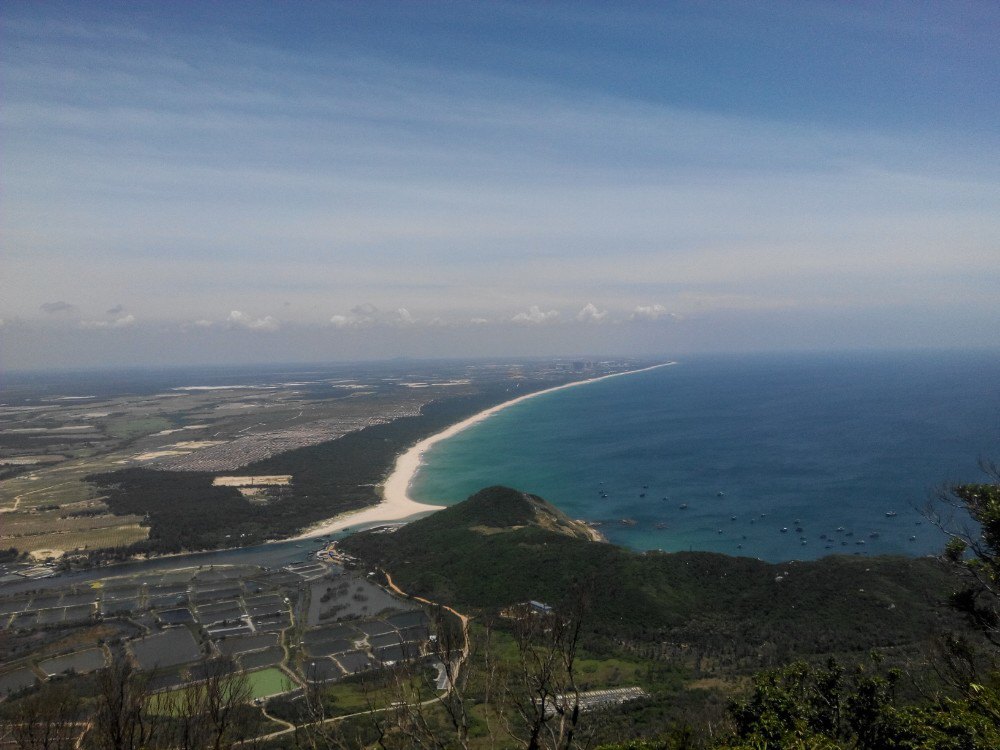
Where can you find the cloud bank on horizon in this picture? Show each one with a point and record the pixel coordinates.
(233, 182)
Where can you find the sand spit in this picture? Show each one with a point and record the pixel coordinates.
(397, 504)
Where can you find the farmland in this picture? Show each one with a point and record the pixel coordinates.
(90, 470)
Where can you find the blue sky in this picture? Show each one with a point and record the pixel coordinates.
(211, 182)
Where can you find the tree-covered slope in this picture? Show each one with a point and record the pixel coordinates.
(502, 546)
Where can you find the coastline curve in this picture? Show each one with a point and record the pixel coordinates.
(396, 504)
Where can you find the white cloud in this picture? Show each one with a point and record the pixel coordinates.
(267, 323)
(479, 321)
(535, 316)
(241, 319)
(125, 321)
(365, 315)
(203, 323)
(589, 313)
(403, 317)
(650, 312)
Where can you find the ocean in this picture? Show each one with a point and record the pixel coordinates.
(775, 457)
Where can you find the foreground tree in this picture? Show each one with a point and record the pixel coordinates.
(801, 706)
(47, 720)
(214, 713)
(974, 551)
(121, 719)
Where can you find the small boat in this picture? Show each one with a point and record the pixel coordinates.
(798, 529)
(684, 506)
(822, 536)
(802, 541)
(890, 514)
(840, 528)
(784, 529)
(661, 526)
(645, 486)
(720, 493)
(732, 518)
(628, 522)
(642, 494)
(849, 533)
(874, 535)
(913, 539)
(720, 531)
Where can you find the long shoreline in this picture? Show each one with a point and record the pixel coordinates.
(396, 504)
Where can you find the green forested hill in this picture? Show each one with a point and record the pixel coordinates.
(502, 546)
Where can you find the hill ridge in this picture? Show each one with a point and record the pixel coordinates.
(531, 550)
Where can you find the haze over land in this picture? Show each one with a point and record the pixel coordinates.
(238, 183)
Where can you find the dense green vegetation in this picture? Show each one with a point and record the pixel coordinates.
(501, 546)
(185, 512)
(182, 509)
(805, 707)
(923, 676)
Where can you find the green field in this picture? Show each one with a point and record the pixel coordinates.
(270, 681)
(131, 428)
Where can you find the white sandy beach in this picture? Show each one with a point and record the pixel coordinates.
(397, 504)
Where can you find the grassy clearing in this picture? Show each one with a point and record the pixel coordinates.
(346, 698)
(20, 524)
(126, 429)
(59, 484)
(27, 528)
(108, 537)
(595, 674)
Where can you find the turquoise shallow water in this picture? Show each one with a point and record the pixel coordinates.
(816, 443)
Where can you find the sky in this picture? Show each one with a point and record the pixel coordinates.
(237, 182)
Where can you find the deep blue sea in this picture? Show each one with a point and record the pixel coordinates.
(722, 453)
